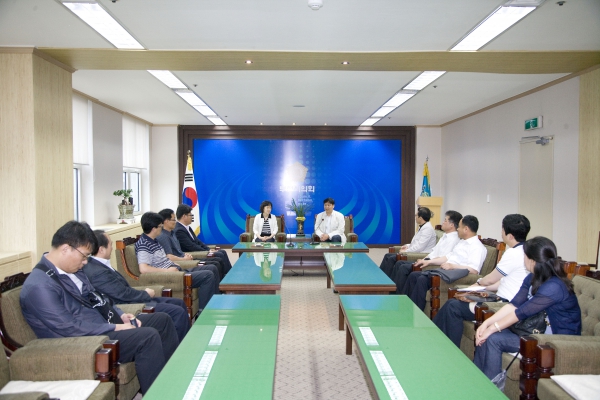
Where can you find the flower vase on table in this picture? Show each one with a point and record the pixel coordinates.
(300, 231)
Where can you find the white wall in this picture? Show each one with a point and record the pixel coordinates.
(107, 163)
(480, 156)
(164, 179)
(429, 143)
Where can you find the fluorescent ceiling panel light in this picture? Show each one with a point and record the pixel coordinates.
(423, 80)
(370, 121)
(399, 98)
(103, 23)
(190, 97)
(216, 121)
(168, 79)
(206, 111)
(522, 3)
(496, 23)
(382, 112)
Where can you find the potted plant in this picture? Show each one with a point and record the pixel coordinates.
(126, 206)
(300, 208)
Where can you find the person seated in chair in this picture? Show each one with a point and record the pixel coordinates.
(506, 279)
(172, 248)
(330, 225)
(58, 301)
(265, 224)
(547, 288)
(107, 280)
(152, 258)
(469, 254)
(398, 271)
(188, 240)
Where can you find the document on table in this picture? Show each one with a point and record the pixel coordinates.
(472, 289)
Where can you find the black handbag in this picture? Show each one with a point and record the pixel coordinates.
(529, 326)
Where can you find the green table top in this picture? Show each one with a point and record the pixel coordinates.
(407, 355)
(256, 269)
(229, 353)
(269, 247)
(355, 268)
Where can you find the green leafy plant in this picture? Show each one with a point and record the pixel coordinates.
(124, 193)
(300, 208)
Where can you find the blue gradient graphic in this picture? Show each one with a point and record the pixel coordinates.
(234, 176)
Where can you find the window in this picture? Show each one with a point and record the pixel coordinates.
(132, 180)
(76, 193)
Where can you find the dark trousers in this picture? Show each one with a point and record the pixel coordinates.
(150, 346)
(387, 264)
(207, 282)
(488, 356)
(400, 273)
(218, 265)
(335, 238)
(450, 319)
(272, 240)
(224, 258)
(176, 309)
(416, 288)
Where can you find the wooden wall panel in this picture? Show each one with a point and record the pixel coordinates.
(589, 167)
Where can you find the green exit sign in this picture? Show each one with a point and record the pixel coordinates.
(533, 123)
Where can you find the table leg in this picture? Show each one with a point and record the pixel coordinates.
(328, 280)
(348, 342)
(341, 318)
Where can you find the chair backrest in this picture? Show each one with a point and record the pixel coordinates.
(438, 234)
(491, 258)
(127, 263)
(587, 291)
(14, 329)
(250, 224)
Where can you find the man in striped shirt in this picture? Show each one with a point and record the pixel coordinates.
(152, 258)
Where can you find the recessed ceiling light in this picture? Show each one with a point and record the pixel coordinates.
(206, 111)
(370, 121)
(261, 123)
(216, 120)
(325, 123)
(293, 123)
(103, 23)
(496, 23)
(248, 61)
(399, 98)
(190, 97)
(382, 112)
(424, 79)
(168, 79)
(345, 62)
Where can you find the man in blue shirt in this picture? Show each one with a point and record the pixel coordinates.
(170, 244)
(56, 302)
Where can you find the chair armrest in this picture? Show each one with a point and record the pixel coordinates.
(394, 249)
(59, 359)
(173, 280)
(167, 293)
(196, 255)
(417, 256)
(187, 264)
(134, 308)
(25, 396)
(280, 237)
(576, 357)
(352, 237)
(157, 288)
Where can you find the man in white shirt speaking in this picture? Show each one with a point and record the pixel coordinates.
(506, 279)
(330, 225)
(423, 241)
(449, 239)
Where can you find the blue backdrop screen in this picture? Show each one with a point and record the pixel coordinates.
(234, 176)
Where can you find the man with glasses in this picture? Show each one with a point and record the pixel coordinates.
(189, 241)
(170, 245)
(152, 258)
(59, 301)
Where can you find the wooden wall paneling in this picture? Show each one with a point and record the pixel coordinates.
(407, 134)
(588, 209)
(53, 132)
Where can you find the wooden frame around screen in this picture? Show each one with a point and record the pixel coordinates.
(186, 135)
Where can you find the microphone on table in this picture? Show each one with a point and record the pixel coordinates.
(290, 244)
(317, 227)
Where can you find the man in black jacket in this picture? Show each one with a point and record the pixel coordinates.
(189, 241)
(108, 281)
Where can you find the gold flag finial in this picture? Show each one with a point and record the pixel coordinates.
(189, 160)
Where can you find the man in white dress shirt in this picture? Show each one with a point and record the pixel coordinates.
(402, 269)
(506, 279)
(423, 241)
(330, 225)
(469, 254)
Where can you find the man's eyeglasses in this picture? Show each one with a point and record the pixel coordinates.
(85, 257)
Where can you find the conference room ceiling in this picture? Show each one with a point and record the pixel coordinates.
(297, 55)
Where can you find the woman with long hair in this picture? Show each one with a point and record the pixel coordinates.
(546, 288)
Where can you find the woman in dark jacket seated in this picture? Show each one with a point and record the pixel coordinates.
(546, 288)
